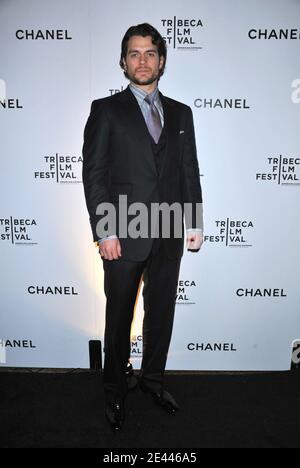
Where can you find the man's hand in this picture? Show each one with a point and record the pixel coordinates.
(194, 240)
(110, 249)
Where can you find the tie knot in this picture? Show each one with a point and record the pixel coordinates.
(150, 98)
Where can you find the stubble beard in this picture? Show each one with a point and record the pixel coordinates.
(143, 82)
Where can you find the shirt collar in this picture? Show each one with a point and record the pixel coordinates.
(140, 93)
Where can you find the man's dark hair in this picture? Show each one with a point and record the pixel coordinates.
(144, 30)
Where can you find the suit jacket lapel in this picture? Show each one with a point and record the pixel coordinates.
(136, 122)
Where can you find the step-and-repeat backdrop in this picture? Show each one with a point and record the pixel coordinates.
(237, 65)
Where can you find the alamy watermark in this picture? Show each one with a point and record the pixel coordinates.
(162, 216)
(295, 96)
(2, 352)
(2, 90)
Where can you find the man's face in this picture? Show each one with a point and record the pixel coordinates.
(142, 60)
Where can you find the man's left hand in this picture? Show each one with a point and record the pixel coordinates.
(194, 240)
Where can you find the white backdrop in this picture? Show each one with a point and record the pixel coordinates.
(237, 65)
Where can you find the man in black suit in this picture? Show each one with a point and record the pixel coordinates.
(141, 144)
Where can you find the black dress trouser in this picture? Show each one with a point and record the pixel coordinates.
(122, 279)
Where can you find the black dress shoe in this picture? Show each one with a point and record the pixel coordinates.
(163, 399)
(115, 414)
(166, 401)
(131, 379)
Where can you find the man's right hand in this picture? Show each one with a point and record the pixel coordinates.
(110, 249)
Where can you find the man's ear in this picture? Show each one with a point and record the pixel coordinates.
(124, 64)
(161, 62)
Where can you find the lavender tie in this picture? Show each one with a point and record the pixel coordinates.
(153, 120)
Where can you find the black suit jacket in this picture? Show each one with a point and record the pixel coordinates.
(118, 159)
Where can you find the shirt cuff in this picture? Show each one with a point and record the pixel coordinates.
(103, 239)
(195, 230)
